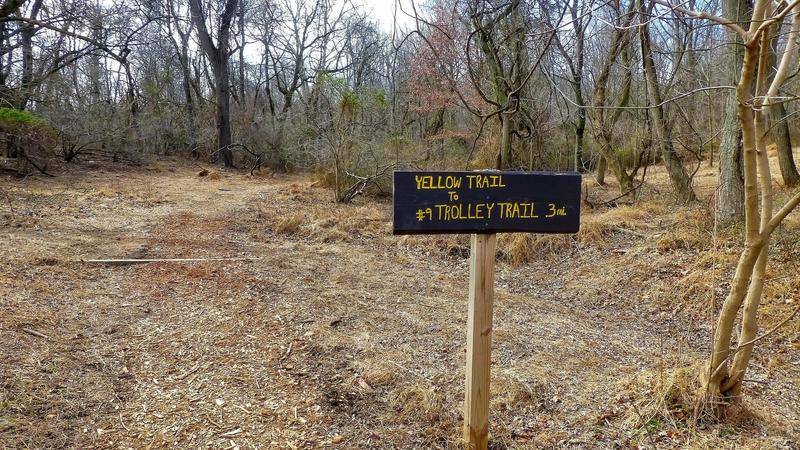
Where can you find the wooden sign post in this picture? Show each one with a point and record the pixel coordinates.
(484, 203)
(479, 340)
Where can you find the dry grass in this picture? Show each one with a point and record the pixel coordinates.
(325, 179)
(599, 227)
(661, 407)
(656, 401)
(691, 229)
(521, 248)
(106, 191)
(289, 224)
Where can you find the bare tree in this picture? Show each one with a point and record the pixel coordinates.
(218, 55)
(780, 124)
(606, 112)
(26, 36)
(574, 55)
(754, 94)
(730, 204)
(681, 182)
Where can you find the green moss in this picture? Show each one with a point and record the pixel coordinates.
(11, 117)
(20, 122)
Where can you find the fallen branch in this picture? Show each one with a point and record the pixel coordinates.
(235, 145)
(125, 262)
(31, 162)
(35, 333)
(363, 182)
(123, 423)
(232, 433)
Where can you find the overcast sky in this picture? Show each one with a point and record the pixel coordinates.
(383, 10)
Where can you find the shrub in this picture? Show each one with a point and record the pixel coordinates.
(28, 139)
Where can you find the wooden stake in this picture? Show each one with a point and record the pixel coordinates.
(479, 341)
(125, 262)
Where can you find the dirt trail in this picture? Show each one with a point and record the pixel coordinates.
(352, 341)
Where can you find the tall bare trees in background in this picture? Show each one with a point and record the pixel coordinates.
(534, 84)
(609, 86)
(539, 84)
(607, 110)
(572, 49)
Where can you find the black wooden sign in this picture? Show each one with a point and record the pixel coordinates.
(486, 202)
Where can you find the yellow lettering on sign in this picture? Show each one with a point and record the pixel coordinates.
(515, 210)
(553, 210)
(485, 181)
(484, 211)
(449, 182)
(459, 211)
(479, 211)
(497, 181)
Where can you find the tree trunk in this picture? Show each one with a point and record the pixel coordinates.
(222, 80)
(130, 90)
(241, 54)
(504, 157)
(730, 204)
(749, 330)
(580, 128)
(681, 182)
(3, 46)
(219, 57)
(580, 24)
(96, 66)
(783, 140)
(603, 124)
(580, 131)
(718, 372)
(765, 97)
(187, 93)
(624, 178)
(182, 51)
(27, 31)
(778, 120)
(505, 83)
(602, 165)
(26, 36)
